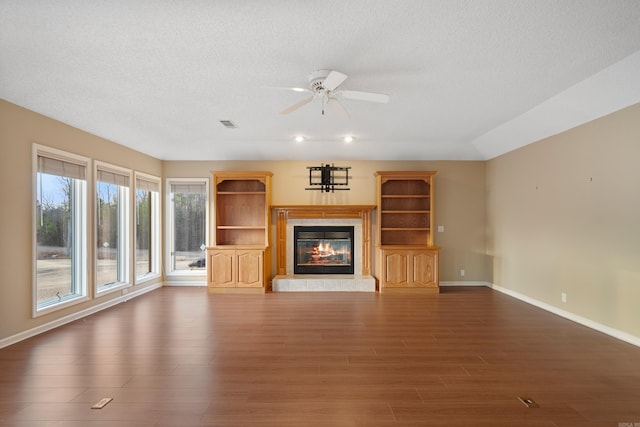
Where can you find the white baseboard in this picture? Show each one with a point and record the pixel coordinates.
(452, 283)
(4, 342)
(186, 283)
(615, 333)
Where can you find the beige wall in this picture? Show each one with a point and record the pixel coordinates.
(19, 128)
(459, 200)
(564, 216)
(560, 215)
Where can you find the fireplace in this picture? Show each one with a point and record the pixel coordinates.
(323, 249)
(357, 217)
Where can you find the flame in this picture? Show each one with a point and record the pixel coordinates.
(326, 249)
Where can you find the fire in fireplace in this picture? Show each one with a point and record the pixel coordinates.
(323, 249)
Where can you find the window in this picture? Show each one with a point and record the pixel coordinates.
(147, 225)
(187, 225)
(60, 229)
(112, 227)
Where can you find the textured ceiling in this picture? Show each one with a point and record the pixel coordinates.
(467, 79)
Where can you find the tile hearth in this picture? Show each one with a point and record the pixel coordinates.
(324, 283)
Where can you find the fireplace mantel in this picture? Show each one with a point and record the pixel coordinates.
(284, 213)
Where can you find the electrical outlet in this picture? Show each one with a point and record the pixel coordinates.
(441, 229)
(564, 297)
(462, 273)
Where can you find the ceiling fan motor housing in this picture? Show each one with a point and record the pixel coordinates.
(316, 80)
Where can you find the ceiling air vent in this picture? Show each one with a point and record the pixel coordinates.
(228, 124)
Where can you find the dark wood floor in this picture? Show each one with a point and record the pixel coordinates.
(182, 357)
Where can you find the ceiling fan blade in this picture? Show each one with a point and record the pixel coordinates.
(297, 105)
(295, 89)
(333, 80)
(338, 108)
(363, 96)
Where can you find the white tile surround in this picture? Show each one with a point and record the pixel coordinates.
(325, 282)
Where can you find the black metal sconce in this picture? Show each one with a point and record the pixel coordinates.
(328, 178)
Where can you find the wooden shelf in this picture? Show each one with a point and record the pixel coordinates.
(406, 237)
(242, 211)
(405, 212)
(406, 257)
(404, 196)
(405, 204)
(242, 220)
(240, 227)
(405, 229)
(240, 193)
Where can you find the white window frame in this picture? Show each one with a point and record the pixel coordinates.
(169, 232)
(156, 228)
(80, 234)
(124, 229)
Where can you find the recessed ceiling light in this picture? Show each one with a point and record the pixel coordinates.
(348, 138)
(299, 138)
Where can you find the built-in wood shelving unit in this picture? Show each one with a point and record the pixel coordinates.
(406, 256)
(240, 256)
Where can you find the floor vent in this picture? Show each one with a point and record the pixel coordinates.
(102, 403)
(528, 402)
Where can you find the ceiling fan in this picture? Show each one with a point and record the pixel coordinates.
(323, 85)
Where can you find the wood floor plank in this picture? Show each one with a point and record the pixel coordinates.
(183, 357)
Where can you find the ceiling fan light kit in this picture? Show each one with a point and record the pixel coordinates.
(323, 85)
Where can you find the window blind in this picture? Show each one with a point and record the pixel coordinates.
(113, 177)
(143, 184)
(189, 188)
(61, 167)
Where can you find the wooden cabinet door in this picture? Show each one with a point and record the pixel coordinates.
(415, 268)
(250, 269)
(222, 268)
(396, 269)
(423, 271)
